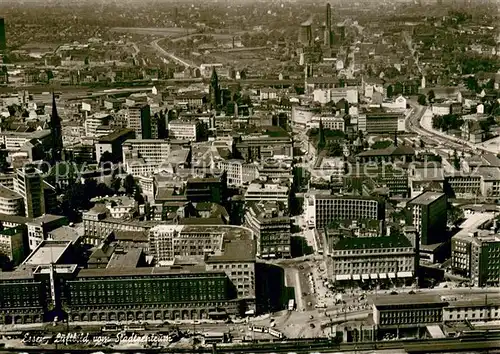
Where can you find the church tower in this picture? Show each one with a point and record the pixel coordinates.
(215, 99)
(56, 132)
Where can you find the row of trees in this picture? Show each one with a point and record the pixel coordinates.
(447, 122)
(78, 195)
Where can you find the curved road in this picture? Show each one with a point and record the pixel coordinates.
(414, 125)
(171, 56)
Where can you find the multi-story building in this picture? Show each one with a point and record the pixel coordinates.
(208, 189)
(94, 122)
(272, 228)
(379, 122)
(112, 143)
(39, 228)
(184, 129)
(329, 122)
(373, 259)
(12, 244)
(169, 241)
(262, 192)
(477, 256)
(119, 207)
(139, 120)
(98, 225)
(191, 100)
(403, 311)
(322, 209)
(151, 151)
(11, 203)
(237, 260)
(427, 213)
(14, 141)
(255, 147)
(276, 171)
(120, 294)
(29, 184)
(24, 297)
(238, 172)
(479, 308)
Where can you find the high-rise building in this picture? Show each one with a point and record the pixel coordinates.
(56, 133)
(29, 184)
(139, 120)
(427, 213)
(3, 40)
(328, 39)
(305, 33)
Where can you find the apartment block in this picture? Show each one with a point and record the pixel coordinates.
(321, 209)
(427, 213)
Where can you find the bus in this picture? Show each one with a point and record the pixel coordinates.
(258, 329)
(111, 327)
(291, 305)
(134, 327)
(276, 333)
(216, 337)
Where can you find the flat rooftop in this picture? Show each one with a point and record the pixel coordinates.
(476, 301)
(198, 271)
(125, 260)
(415, 299)
(426, 198)
(476, 220)
(46, 219)
(47, 252)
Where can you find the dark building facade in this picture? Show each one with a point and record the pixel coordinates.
(148, 294)
(211, 189)
(3, 40)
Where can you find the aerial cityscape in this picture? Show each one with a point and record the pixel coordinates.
(229, 176)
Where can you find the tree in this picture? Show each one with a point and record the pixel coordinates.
(390, 91)
(455, 215)
(334, 149)
(106, 158)
(421, 100)
(138, 197)
(116, 184)
(129, 184)
(422, 144)
(471, 83)
(431, 96)
(456, 161)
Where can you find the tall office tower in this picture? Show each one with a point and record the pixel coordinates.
(3, 40)
(139, 120)
(29, 184)
(328, 35)
(305, 33)
(215, 96)
(56, 133)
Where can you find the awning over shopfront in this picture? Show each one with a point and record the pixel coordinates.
(343, 277)
(391, 275)
(373, 276)
(365, 276)
(405, 274)
(356, 276)
(382, 276)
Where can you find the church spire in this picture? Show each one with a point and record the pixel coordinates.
(215, 98)
(55, 132)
